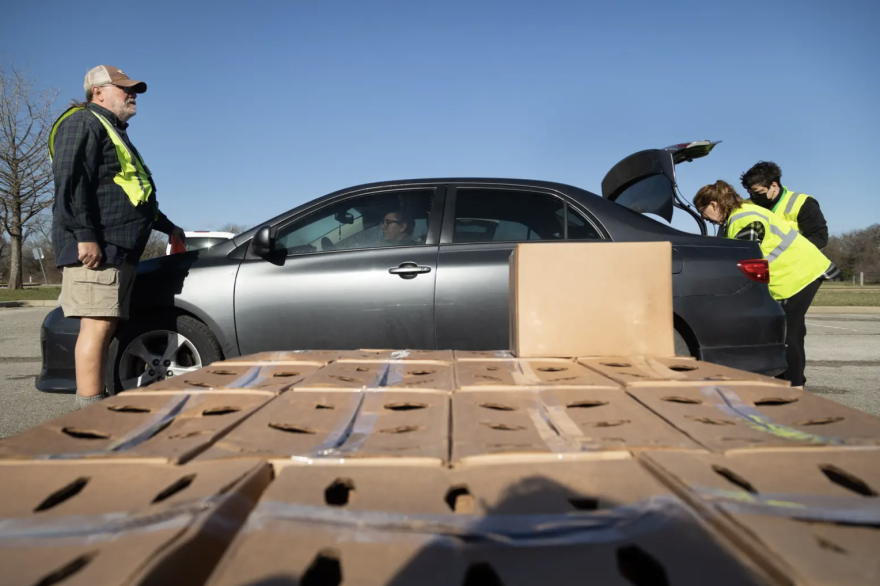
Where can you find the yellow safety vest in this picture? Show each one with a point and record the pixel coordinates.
(795, 262)
(789, 205)
(134, 177)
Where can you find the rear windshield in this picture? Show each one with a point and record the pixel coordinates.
(199, 242)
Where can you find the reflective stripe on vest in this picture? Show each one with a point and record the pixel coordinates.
(794, 261)
(790, 206)
(133, 177)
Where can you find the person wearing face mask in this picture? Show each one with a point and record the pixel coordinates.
(763, 182)
(797, 266)
(104, 211)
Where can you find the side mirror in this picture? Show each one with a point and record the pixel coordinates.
(262, 242)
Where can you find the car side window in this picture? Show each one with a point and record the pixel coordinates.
(579, 228)
(389, 218)
(506, 215)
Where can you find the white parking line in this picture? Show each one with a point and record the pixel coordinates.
(836, 328)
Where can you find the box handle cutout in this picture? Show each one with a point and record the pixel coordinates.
(829, 545)
(586, 404)
(848, 481)
(345, 379)
(710, 421)
(640, 568)
(179, 485)
(340, 492)
(498, 407)
(401, 429)
(293, 428)
(615, 423)
(362, 369)
(734, 478)
(821, 421)
(682, 400)
(771, 401)
(129, 409)
(66, 493)
(585, 503)
(481, 574)
(405, 406)
(86, 434)
(189, 434)
(220, 411)
(502, 426)
(201, 385)
(324, 406)
(460, 500)
(325, 570)
(421, 372)
(222, 372)
(682, 368)
(68, 570)
(552, 368)
(616, 364)
(286, 374)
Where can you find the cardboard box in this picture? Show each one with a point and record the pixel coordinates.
(271, 378)
(542, 425)
(345, 428)
(729, 418)
(121, 524)
(285, 358)
(498, 525)
(634, 371)
(468, 355)
(161, 427)
(409, 376)
(503, 374)
(444, 356)
(771, 504)
(591, 299)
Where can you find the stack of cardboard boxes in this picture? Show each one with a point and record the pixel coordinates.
(556, 462)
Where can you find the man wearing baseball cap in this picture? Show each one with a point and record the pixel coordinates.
(105, 208)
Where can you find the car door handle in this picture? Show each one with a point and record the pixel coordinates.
(409, 270)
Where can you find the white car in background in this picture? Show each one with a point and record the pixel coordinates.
(201, 239)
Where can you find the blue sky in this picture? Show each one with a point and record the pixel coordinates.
(254, 108)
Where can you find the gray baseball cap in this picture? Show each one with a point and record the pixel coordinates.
(109, 75)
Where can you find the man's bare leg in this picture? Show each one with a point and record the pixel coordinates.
(91, 357)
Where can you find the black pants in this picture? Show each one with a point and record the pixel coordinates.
(795, 308)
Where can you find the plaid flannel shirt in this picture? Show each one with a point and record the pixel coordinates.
(89, 206)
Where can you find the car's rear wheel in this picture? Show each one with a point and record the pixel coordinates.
(150, 349)
(681, 345)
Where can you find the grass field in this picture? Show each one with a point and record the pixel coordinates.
(31, 294)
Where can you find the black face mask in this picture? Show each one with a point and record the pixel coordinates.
(762, 200)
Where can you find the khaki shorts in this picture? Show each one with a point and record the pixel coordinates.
(101, 292)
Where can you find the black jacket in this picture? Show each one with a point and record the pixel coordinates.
(811, 221)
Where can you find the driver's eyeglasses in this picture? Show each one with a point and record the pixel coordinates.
(386, 223)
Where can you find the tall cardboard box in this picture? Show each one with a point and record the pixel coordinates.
(591, 299)
(90, 523)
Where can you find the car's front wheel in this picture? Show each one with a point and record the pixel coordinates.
(152, 348)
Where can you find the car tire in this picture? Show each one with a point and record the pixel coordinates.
(681, 345)
(196, 347)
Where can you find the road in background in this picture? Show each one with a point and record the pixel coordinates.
(843, 364)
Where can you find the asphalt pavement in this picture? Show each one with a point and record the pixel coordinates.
(843, 364)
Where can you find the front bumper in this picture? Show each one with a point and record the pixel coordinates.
(58, 336)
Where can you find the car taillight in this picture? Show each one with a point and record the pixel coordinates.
(757, 269)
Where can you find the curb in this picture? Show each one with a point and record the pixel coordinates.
(33, 303)
(853, 309)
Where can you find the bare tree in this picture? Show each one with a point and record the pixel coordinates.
(155, 245)
(26, 183)
(232, 227)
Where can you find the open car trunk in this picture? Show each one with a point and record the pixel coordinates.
(645, 181)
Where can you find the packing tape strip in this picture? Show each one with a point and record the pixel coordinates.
(831, 509)
(87, 529)
(254, 376)
(606, 526)
(522, 372)
(358, 423)
(557, 430)
(137, 436)
(727, 401)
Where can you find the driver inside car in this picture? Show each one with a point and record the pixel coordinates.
(396, 231)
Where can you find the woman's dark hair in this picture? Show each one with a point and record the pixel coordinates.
(721, 193)
(763, 173)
